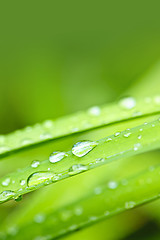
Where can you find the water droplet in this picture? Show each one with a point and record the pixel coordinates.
(26, 141)
(108, 139)
(22, 182)
(127, 134)
(73, 227)
(45, 136)
(80, 149)
(35, 164)
(127, 103)
(57, 156)
(112, 185)
(98, 190)
(48, 124)
(6, 195)
(106, 213)
(94, 111)
(38, 178)
(139, 136)
(117, 134)
(129, 204)
(77, 168)
(39, 218)
(12, 230)
(6, 182)
(78, 211)
(136, 146)
(93, 218)
(157, 100)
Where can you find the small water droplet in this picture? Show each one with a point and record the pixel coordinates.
(78, 211)
(94, 111)
(45, 136)
(39, 218)
(108, 139)
(6, 182)
(127, 103)
(6, 195)
(117, 134)
(137, 146)
(106, 213)
(77, 168)
(127, 134)
(157, 100)
(80, 149)
(129, 204)
(39, 177)
(48, 124)
(35, 164)
(98, 190)
(22, 182)
(139, 136)
(112, 185)
(26, 141)
(57, 156)
(93, 218)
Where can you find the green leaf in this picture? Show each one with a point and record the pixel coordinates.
(122, 144)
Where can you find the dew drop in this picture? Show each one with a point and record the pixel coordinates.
(127, 135)
(77, 168)
(129, 204)
(6, 182)
(57, 156)
(112, 185)
(78, 211)
(48, 124)
(39, 218)
(35, 164)
(80, 149)
(157, 100)
(26, 141)
(98, 190)
(38, 178)
(6, 195)
(94, 111)
(117, 134)
(139, 137)
(22, 182)
(127, 103)
(45, 136)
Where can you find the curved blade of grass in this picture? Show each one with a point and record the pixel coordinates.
(110, 199)
(127, 143)
(78, 122)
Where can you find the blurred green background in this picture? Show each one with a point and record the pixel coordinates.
(57, 57)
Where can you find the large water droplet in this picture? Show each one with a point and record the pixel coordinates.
(38, 178)
(6, 195)
(77, 168)
(6, 182)
(80, 149)
(35, 164)
(57, 156)
(127, 103)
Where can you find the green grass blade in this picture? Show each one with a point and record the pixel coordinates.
(78, 122)
(111, 198)
(127, 143)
